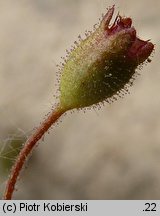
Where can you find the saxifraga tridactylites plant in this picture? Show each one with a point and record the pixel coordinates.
(98, 69)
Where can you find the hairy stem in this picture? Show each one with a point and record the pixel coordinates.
(27, 148)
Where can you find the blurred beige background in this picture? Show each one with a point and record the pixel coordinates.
(113, 153)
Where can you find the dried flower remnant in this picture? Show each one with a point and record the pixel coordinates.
(96, 70)
(102, 64)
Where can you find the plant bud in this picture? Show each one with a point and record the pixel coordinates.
(103, 63)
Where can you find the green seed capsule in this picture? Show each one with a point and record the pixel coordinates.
(102, 64)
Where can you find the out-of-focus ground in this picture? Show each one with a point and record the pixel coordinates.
(113, 153)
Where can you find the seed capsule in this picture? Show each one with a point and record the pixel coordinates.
(103, 63)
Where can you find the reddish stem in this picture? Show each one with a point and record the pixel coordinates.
(26, 150)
